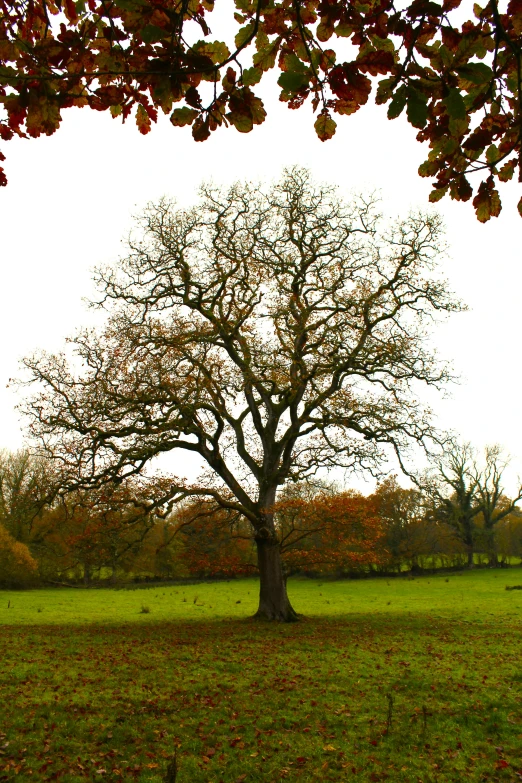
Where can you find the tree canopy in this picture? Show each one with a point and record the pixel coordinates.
(454, 67)
(272, 332)
(469, 497)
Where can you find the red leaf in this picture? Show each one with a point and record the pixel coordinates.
(200, 129)
(143, 120)
(487, 201)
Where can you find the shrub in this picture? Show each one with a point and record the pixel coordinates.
(18, 568)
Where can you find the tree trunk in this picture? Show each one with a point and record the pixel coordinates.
(491, 549)
(273, 598)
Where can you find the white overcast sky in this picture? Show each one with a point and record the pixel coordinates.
(71, 198)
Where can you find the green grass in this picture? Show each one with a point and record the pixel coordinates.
(92, 688)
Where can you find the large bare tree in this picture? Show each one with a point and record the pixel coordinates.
(273, 332)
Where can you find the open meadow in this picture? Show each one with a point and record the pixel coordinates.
(397, 680)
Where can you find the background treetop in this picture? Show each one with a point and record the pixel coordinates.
(453, 67)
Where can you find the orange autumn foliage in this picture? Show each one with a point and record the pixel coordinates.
(213, 542)
(17, 566)
(330, 531)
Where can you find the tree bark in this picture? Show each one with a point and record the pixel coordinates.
(491, 550)
(273, 598)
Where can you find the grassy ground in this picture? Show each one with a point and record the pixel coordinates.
(400, 681)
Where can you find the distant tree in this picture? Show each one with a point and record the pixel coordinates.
(17, 566)
(24, 487)
(99, 529)
(273, 333)
(453, 487)
(400, 511)
(471, 498)
(508, 536)
(494, 505)
(455, 68)
(410, 534)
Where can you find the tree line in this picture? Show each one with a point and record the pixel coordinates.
(458, 516)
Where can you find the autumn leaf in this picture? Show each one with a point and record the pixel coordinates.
(376, 62)
(487, 202)
(142, 120)
(184, 116)
(201, 129)
(246, 110)
(437, 193)
(139, 50)
(216, 51)
(265, 58)
(325, 126)
(507, 171)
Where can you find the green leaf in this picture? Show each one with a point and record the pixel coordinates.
(454, 104)
(265, 58)
(150, 33)
(507, 171)
(417, 108)
(476, 73)
(437, 194)
(243, 34)
(293, 81)
(293, 63)
(492, 153)
(242, 122)
(445, 55)
(130, 5)
(429, 168)
(325, 29)
(383, 44)
(251, 76)
(184, 116)
(397, 104)
(383, 90)
(217, 51)
(344, 30)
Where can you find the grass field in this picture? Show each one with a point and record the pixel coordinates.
(394, 680)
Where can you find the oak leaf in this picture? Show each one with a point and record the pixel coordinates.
(325, 126)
